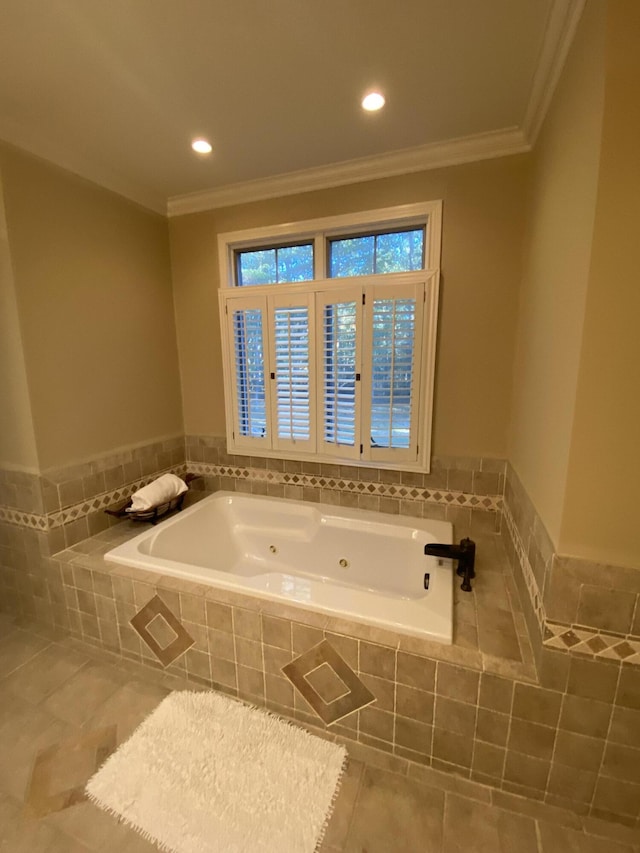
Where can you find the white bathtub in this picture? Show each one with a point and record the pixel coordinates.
(359, 565)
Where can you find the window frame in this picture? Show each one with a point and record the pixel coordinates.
(429, 214)
(320, 230)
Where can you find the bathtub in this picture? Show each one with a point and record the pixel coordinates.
(359, 565)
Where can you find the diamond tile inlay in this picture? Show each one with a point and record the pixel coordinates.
(61, 771)
(308, 667)
(596, 644)
(624, 650)
(173, 648)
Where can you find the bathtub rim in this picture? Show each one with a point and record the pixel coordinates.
(127, 554)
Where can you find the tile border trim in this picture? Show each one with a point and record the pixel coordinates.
(446, 497)
(52, 520)
(24, 519)
(106, 499)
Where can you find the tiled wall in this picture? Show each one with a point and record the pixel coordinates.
(571, 741)
(583, 621)
(569, 737)
(21, 491)
(70, 500)
(464, 490)
(589, 608)
(43, 514)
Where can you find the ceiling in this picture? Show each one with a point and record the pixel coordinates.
(115, 91)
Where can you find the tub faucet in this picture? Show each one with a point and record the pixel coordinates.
(464, 553)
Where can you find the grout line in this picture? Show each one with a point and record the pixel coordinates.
(606, 739)
(445, 806)
(555, 743)
(538, 835)
(506, 745)
(356, 801)
(25, 662)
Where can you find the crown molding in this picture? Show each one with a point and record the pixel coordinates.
(561, 28)
(435, 155)
(562, 23)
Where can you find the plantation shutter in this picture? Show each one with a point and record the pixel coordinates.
(293, 372)
(342, 371)
(247, 332)
(391, 379)
(339, 322)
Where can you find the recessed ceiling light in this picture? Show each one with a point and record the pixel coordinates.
(373, 101)
(201, 146)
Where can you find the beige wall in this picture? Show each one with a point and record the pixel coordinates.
(93, 287)
(17, 440)
(556, 273)
(482, 244)
(601, 519)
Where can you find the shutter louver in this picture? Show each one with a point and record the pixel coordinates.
(292, 380)
(340, 373)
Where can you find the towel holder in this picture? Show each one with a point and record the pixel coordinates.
(154, 513)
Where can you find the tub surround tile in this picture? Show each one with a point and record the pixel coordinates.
(71, 500)
(161, 631)
(432, 693)
(327, 683)
(451, 489)
(333, 703)
(572, 605)
(276, 632)
(416, 704)
(220, 617)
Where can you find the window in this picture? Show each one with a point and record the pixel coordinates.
(274, 264)
(372, 254)
(331, 356)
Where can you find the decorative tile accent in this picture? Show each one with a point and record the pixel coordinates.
(491, 503)
(23, 519)
(107, 499)
(325, 681)
(72, 513)
(61, 771)
(335, 703)
(587, 642)
(170, 626)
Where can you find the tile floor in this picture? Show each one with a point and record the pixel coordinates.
(58, 698)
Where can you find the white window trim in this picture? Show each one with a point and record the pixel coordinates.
(319, 230)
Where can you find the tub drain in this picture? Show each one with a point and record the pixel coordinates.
(343, 563)
(273, 549)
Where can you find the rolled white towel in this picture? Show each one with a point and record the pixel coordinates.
(163, 489)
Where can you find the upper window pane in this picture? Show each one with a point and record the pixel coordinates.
(392, 251)
(275, 265)
(353, 256)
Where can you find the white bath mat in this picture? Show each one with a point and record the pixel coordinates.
(206, 773)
